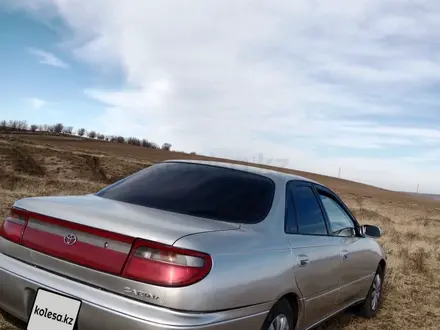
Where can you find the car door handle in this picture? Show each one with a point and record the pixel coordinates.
(303, 260)
(344, 255)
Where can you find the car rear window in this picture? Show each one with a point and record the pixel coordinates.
(206, 191)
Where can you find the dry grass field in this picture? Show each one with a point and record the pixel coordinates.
(48, 165)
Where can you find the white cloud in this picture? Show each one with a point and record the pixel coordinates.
(37, 103)
(323, 83)
(48, 58)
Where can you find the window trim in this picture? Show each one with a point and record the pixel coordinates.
(320, 189)
(289, 201)
(300, 183)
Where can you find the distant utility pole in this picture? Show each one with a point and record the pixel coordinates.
(418, 187)
(339, 175)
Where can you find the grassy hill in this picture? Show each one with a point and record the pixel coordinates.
(41, 164)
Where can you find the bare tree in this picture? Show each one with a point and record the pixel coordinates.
(13, 125)
(120, 139)
(134, 141)
(81, 131)
(100, 136)
(3, 124)
(166, 146)
(22, 125)
(34, 128)
(92, 134)
(58, 128)
(68, 130)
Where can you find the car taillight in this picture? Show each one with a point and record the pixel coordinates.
(14, 225)
(165, 265)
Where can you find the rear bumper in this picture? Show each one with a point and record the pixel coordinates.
(106, 311)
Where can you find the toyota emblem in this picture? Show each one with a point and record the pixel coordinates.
(70, 239)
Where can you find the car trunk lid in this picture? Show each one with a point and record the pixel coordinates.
(99, 233)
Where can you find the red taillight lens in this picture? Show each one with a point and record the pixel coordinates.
(14, 225)
(165, 265)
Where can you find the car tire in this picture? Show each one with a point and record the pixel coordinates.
(280, 317)
(370, 306)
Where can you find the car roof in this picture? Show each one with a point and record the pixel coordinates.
(272, 174)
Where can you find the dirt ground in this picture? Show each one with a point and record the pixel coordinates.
(48, 165)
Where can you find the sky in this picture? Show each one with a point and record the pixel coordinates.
(313, 85)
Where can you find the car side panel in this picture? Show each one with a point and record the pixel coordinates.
(318, 281)
(358, 269)
(249, 267)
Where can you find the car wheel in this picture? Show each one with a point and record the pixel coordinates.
(280, 317)
(371, 304)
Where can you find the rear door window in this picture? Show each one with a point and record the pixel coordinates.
(309, 217)
(213, 192)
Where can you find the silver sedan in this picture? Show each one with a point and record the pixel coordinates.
(189, 245)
